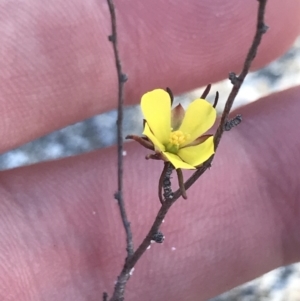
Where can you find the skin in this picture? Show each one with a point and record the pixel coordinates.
(61, 237)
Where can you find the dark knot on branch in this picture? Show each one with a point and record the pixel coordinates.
(158, 237)
(229, 124)
(234, 79)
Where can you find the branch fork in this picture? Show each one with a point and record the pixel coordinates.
(166, 195)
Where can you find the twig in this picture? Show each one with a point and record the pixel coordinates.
(122, 78)
(237, 82)
(168, 202)
(154, 229)
(121, 81)
(261, 28)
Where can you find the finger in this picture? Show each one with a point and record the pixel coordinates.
(62, 238)
(57, 65)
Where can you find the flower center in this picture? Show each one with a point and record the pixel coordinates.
(177, 138)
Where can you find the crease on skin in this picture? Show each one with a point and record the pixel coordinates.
(87, 104)
(12, 244)
(282, 188)
(30, 250)
(285, 211)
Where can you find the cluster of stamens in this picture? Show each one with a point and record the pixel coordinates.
(176, 139)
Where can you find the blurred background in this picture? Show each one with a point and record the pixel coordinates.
(282, 284)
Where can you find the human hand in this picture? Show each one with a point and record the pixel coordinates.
(61, 236)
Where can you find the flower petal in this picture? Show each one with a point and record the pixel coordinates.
(156, 107)
(198, 140)
(177, 162)
(199, 117)
(177, 116)
(147, 132)
(196, 155)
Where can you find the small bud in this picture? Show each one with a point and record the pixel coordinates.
(263, 28)
(123, 77)
(229, 124)
(111, 38)
(233, 78)
(158, 237)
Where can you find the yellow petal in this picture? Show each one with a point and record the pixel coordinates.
(199, 117)
(197, 154)
(147, 132)
(156, 107)
(177, 162)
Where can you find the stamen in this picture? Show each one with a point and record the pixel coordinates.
(176, 139)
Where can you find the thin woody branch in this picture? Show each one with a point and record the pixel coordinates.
(122, 78)
(237, 81)
(260, 29)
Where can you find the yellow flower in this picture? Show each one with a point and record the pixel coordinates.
(176, 134)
